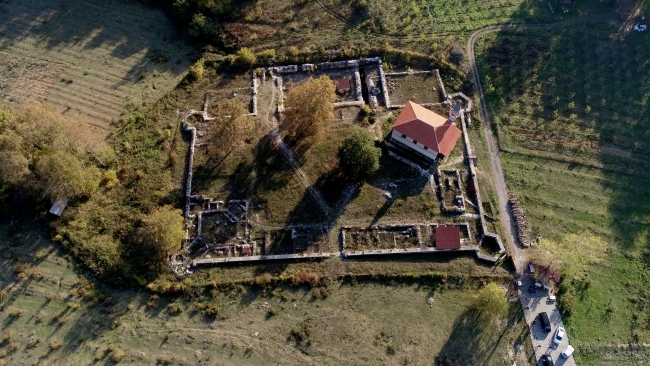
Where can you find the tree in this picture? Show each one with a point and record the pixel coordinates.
(201, 26)
(358, 156)
(231, 128)
(162, 230)
(62, 175)
(308, 108)
(14, 168)
(572, 254)
(245, 58)
(7, 117)
(490, 301)
(42, 149)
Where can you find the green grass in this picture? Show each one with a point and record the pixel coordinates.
(561, 198)
(420, 17)
(578, 93)
(567, 167)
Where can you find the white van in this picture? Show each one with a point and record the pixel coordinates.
(568, 351)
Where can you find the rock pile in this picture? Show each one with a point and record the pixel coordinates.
(520, 219)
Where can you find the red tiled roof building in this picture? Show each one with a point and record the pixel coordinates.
(425, 132)
(447, 237)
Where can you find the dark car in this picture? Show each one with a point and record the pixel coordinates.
(544, 322)
(547, 360)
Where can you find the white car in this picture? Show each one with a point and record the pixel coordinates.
(559, 335)
(568, 351)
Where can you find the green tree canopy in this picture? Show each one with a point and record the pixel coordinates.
(308, 108)
(162, 230)
(44, 150)
(62, 175)
(490, 301)
(245, 58)
(358, 156)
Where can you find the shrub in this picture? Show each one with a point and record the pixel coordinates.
(16, 313)
(245, 58)
(55, 344)
(33, 342)
(196, 71)
(266, 54)
(567, 303)
(271, 312)
(110, 179)
(320, 292)
(174, 308)
(301, 334)
(390, 349)
(365, 110)
(116, 355)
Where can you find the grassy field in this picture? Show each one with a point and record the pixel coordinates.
(569, 124)
(52, 314)
(306, 22)
(91, 58)
(575, 94)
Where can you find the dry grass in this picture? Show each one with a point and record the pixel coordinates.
(90, 58)
(327, 326)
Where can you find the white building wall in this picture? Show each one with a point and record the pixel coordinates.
(397, 136)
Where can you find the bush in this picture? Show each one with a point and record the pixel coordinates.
(109, 179)
(116, 355)
(196, 71)
(55, 344)
(365, 110)
(271, 312)
(567, 304)
(174, 308)
(267, 54)
(245, 58)
(16, 313)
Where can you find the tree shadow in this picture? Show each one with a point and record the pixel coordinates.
(99, 25)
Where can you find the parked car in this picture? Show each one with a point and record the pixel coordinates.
(544, 322)
(531, 269)
(559, 335)
(568, 351)
(547, 360)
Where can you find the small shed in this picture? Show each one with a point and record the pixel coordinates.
(58, 207)
(447, 237)
(245, 249)
(343, 85)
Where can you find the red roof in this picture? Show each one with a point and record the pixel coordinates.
(343, 84)
(448, 237)
(428, 128)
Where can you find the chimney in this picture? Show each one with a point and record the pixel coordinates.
(455, 111)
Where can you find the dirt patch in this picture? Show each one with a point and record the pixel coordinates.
(419, 88)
